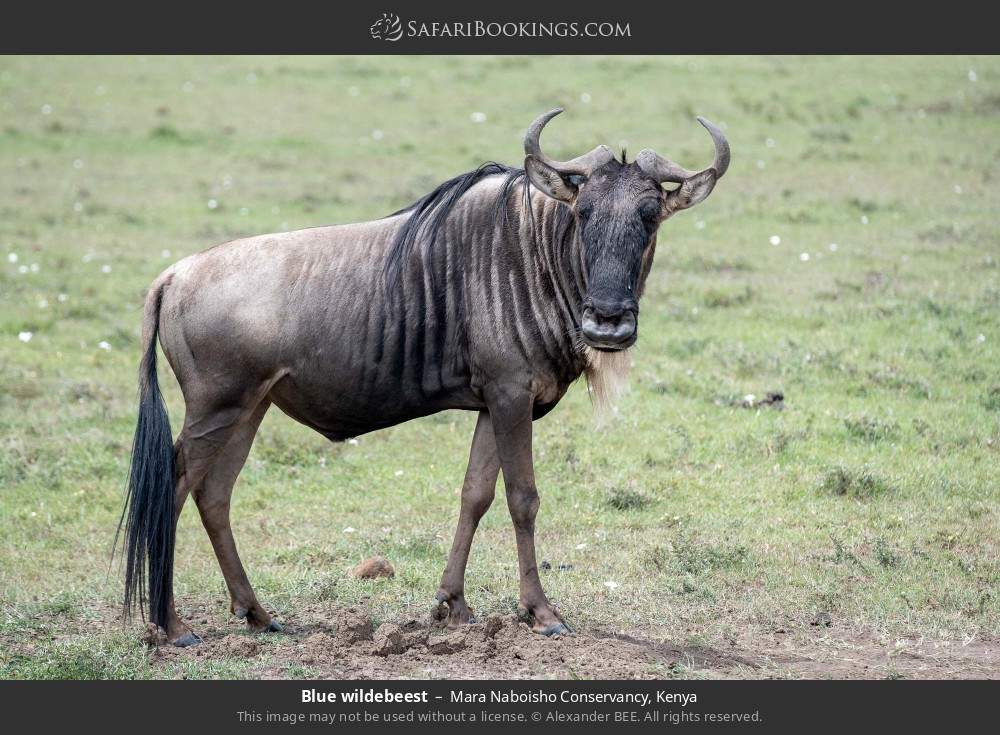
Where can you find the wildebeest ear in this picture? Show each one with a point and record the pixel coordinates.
(692, 191)
(548, 180)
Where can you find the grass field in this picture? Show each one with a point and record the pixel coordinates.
(849, 260)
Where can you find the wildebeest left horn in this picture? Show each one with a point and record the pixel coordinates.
(580, 165)
(663, 169)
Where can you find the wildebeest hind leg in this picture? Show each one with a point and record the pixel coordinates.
(213, 500)
(477, 495)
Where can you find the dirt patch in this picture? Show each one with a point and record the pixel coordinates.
(345, 644)
(331, 643)
(323, 641)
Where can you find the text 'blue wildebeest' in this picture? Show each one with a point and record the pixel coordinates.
(492, 293)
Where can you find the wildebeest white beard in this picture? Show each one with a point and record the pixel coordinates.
(607, 376)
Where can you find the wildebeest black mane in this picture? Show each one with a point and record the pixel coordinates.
(429, 213)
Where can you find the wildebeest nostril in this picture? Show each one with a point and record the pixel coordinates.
(607, 330)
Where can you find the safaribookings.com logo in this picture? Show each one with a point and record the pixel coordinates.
(390, 28)
(387, 28)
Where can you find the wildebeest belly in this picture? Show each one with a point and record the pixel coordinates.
(340, 415)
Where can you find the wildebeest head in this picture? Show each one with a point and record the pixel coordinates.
(618, 207)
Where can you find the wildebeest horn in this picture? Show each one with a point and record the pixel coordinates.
(581, 165)
(663, 169)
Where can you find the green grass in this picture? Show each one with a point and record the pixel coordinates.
(872, 496)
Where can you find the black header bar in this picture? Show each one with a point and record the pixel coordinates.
(510, 27)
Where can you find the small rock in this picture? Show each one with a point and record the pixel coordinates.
(354, 627)
(415, 638)
(446, 644)
(389, 640)
(377, 566)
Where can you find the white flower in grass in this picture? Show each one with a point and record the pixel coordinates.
(350, 529)
(611, 585)
(833, 247)
(22, 269)
(478, 117)
(11, 257)
(973, 76)
(104, 345)
(213, 204)
(980, 338)
(353, 442)
(585, 98)
(377, 134)
(61, 298)
(25, 336)
(399, 473)
(581, 547)
(774, 240)
(105, 268)
(804, 257)
(164, 253)
(46, 109)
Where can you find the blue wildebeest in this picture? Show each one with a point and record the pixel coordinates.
(492, 293)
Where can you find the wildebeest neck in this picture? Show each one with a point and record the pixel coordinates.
(507, 263)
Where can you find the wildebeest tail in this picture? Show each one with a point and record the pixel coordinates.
(148, 516)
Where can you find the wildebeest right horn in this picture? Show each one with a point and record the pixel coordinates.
(663, 169)
(581, 165)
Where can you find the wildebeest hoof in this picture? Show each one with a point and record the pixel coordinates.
(274, 626)
(188, 639)
(556, 629)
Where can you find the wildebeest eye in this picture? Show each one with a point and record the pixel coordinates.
(576, 179)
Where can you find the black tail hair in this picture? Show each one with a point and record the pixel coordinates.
(148, 515)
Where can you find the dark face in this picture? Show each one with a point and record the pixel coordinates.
(618, 209)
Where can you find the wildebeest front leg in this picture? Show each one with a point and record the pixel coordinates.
(510, 411)
(477, 496)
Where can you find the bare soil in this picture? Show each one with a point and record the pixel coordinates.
(344, 644)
